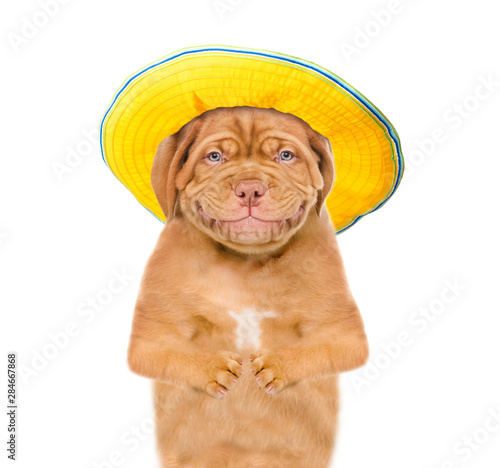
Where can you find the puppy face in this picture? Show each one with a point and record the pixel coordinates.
(247, 177)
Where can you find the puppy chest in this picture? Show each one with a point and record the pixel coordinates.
(246, 312)
(248, 326)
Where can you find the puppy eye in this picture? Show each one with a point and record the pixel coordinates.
(214, 157)
(286, 156)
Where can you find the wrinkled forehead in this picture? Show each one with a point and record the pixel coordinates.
(251, 127)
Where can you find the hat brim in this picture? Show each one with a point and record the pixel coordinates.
(158, 100)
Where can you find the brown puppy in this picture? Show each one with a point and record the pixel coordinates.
(244, 316)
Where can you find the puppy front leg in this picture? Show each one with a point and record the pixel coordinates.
(214, 373)
(338, 348)
(156, 351)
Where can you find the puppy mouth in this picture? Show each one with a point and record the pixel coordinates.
(250, 223)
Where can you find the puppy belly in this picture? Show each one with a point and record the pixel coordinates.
(297, 425)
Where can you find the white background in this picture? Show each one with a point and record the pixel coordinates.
(62, 238)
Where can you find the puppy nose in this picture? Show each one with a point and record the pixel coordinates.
(250, 191)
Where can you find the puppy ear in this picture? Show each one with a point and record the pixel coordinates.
(322, 147)
(170, 156)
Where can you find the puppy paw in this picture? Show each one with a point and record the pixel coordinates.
(269, 371)
(223, 371)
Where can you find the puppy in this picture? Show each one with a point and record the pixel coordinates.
(244, 317)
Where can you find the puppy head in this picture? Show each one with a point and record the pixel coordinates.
(247, 177)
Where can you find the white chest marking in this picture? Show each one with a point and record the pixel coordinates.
(247, 327)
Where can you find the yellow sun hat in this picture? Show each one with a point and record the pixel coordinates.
(158, 100)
